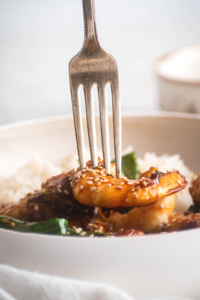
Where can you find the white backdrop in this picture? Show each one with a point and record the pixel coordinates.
(38, 38)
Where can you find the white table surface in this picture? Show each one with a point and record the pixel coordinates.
(38, 38)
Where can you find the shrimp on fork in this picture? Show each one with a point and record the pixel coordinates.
(95, 187)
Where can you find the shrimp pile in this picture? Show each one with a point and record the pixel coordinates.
(94, 199)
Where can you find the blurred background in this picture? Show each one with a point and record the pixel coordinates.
(38, 38)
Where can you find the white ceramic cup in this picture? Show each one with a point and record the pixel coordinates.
(178, 75)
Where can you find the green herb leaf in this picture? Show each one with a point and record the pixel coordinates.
(191, 209)
(194, 208)
(130, 167)
(73, 232)
(54, 226)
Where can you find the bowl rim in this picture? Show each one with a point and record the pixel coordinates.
(124, 114)
(162, 58)
(69, 117)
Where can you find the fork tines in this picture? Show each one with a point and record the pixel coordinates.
(93, 65)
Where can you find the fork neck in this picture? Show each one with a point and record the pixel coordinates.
(91, 42)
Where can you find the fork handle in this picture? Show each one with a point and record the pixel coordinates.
(91, 38)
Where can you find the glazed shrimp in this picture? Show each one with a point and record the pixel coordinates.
(181, 222)
(151, 218)
(95, 187)
(14, 210)
(42, 204)
(54, 200)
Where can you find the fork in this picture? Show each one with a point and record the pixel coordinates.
(93, 65)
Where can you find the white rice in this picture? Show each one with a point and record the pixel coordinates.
(30, 177)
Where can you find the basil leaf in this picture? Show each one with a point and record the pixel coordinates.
(54, 226)
(130, 167)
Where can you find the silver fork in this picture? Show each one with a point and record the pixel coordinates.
(93, 65)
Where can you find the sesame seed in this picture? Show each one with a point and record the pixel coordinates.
(91, 235)
(12, 224)
(83, 233)
(93, 189)
(112, 183)
(92, 178)
(89, 182)
(100, 167)
(77, 176)
(77, 230)
(121, 183)
(109, 184)
(132, 189)
(94, 173)
(119, 187)
(59, 190)
(130, 183)
(126, 179)
(77, 180)
(121, 177)
(98, 183)
(59, 186)
(83, 175)
(36, 208)
(144, 183)
(81, 187)
(97, 179)
(179, 181)
(66, 192)
(5, 221)
(161, 205)
(68, 175)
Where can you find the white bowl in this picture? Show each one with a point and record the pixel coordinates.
(178, 76)
(147, 266)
